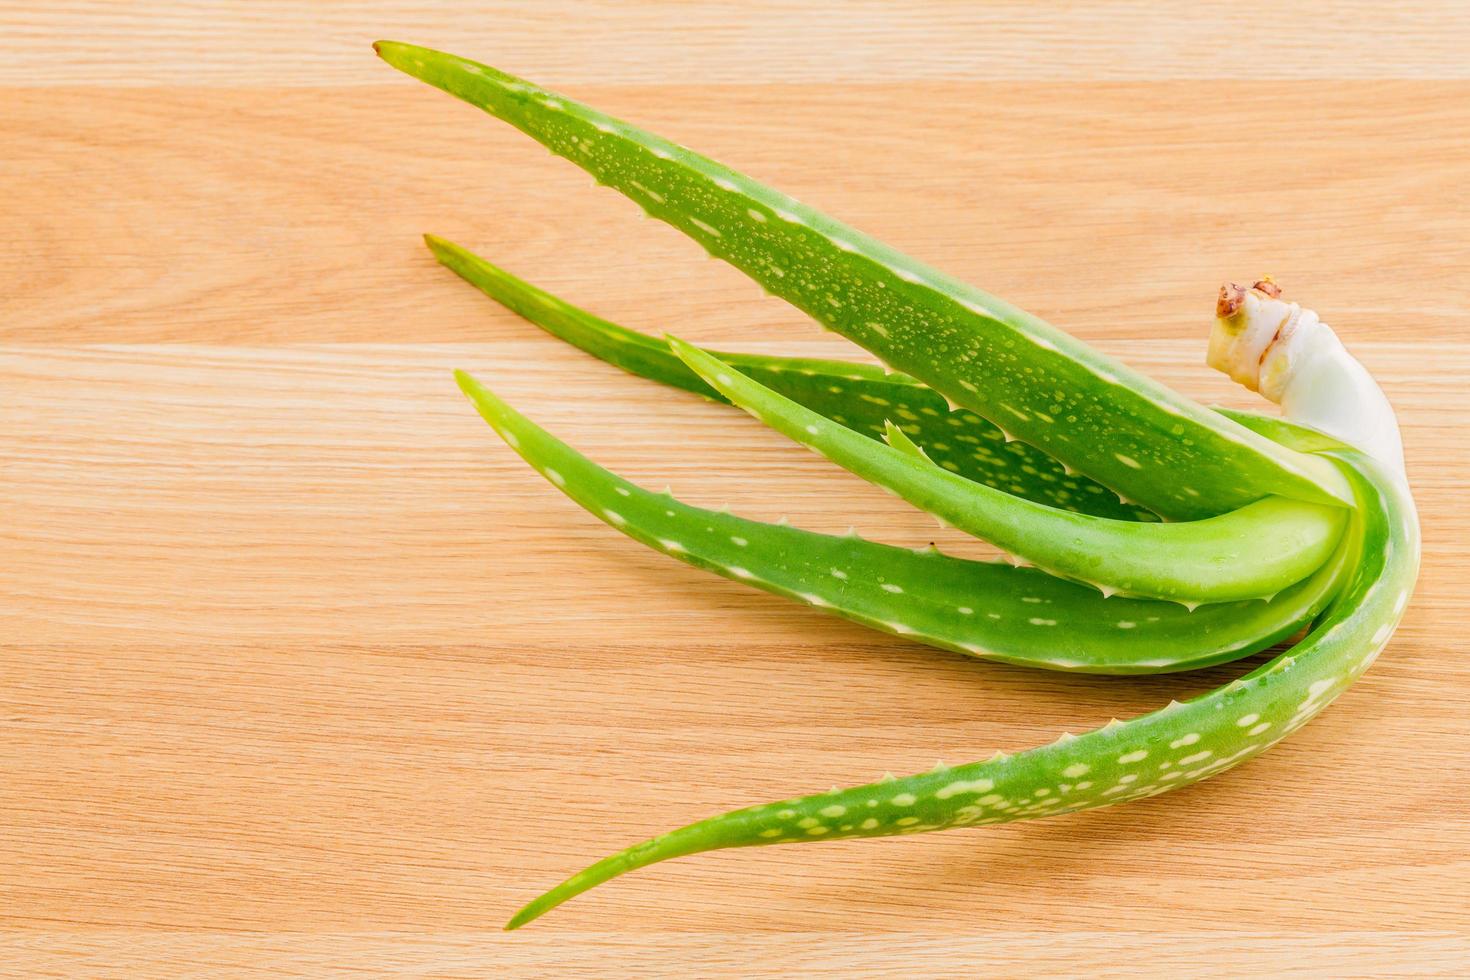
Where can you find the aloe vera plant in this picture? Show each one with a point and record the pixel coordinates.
(1146, 532)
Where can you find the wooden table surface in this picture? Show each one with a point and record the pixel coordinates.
(304, 671)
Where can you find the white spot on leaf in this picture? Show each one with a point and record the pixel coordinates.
(964, 786)
(652, 194)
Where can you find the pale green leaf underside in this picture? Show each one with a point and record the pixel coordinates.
(859, 396)
(1124, 430)
(1279, 430)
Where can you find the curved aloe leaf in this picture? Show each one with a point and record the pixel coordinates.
(860, 396)
(1037, 382)
(1172, 747)
(991, 610)
(1254, 551)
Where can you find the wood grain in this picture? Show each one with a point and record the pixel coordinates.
(305, 672)
(699, 42)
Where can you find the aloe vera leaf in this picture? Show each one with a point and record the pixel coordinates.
(991, 610)
(1087, 410)
(1254, 551)
(1175, 746)
(860, 396)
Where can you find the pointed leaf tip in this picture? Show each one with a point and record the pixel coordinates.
(387, 49)
(680, 347)
(525, 915)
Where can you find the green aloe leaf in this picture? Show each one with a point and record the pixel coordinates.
(1083, 408)
(992, 610)
(1175, 746)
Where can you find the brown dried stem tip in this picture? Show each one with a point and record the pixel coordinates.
(1232, 297)
(1268, 286)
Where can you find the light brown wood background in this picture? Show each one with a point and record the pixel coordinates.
(304, 671)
